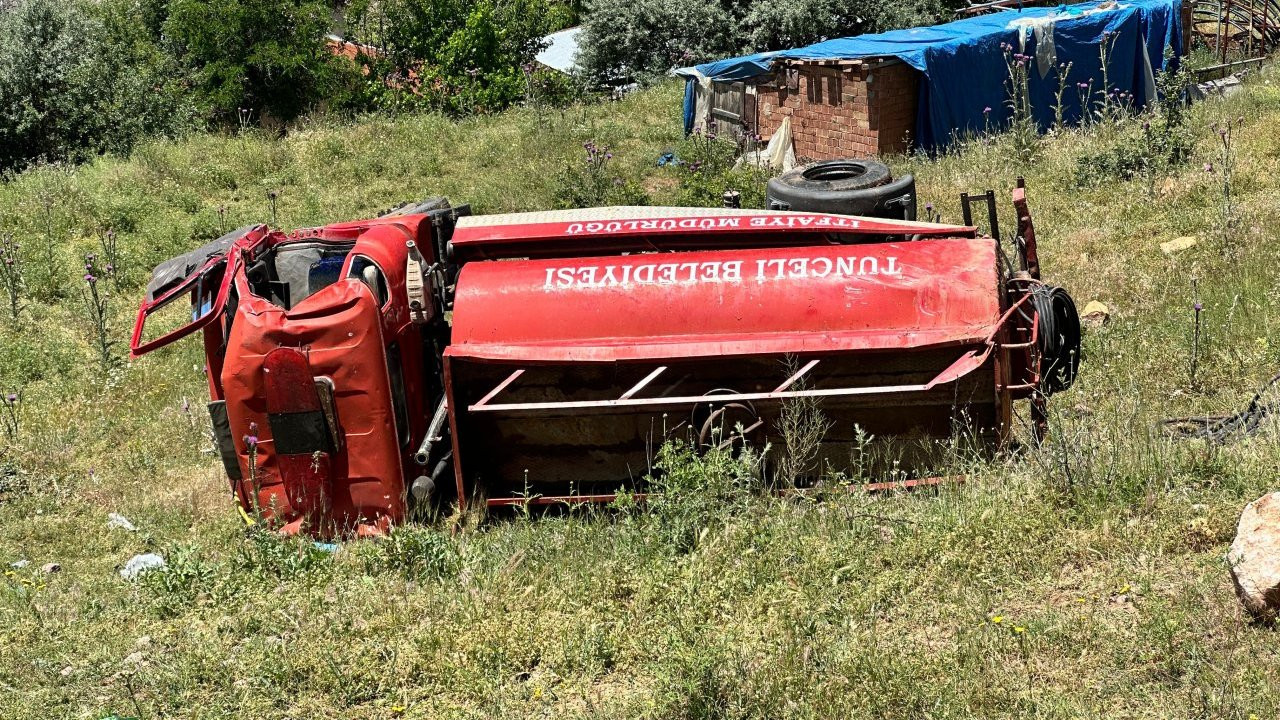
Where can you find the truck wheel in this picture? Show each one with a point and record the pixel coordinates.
(844, 187)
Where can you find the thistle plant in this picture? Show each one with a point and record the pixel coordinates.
(110, 245)
(1226, 167)
(11, 413)
(1148, 158)
(593, 182)
(1196, 309)
(1111, 105)
(1062, 71)
(1084, 93)
(11, 273)
(51, 287)
(96, 302)
(251, 447)
(1022, 125)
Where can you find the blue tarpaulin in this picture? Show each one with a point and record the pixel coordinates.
(965, 68)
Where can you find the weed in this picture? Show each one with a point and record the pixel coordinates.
(1023, 129)
(593, 183)
(417, 553)
(109, 245)
(11, 273)
(1062, 71)
(1197, 308)
(802, 427)
(11, 414)
(710, 170)
(96, 303)
(1225, 130)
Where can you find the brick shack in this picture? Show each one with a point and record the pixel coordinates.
(922, 88)
(841, 108)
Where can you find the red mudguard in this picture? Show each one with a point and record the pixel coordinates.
(301, 433)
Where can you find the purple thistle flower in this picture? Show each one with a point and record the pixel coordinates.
(253, 428)
(1197, 307)
(251, 441)
(1208, 167)
(12, 398)
(986, 110)
(928, 207)
(89, 278)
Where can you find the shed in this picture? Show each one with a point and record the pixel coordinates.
(926, 87)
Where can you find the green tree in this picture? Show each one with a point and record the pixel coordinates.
(77, 79)
(264, 57)
(643, 39)
(467, 55)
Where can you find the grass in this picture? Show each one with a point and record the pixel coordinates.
(1081, 579)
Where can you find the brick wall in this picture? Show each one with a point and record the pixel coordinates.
(857, 108)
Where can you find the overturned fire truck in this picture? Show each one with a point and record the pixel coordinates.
(361, 370)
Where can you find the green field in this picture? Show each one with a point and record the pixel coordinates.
(1083, 578)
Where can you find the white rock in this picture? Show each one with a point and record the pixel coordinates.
(1254, 557)
(116, 520)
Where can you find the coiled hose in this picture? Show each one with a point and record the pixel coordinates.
(1058, 337)
(1223, 429)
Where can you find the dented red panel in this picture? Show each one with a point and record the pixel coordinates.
(729, 302)
(339, 331)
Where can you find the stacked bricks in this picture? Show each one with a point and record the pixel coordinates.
(841, 109)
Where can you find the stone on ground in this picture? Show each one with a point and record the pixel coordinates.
(1254, 557)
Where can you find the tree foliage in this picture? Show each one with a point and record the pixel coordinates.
(79, 79)
(642, 39)
(458, 55)
(254, 56)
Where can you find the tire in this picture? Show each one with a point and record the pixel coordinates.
(836, 176)
(844, 187)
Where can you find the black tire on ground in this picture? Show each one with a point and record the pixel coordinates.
(836, 176)
(825, 191)
(846, 187)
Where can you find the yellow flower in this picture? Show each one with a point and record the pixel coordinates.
(1080, 600)
(997, 619)
(1019, 629)
(537, 692)
(1125, 589)
(397, 709)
